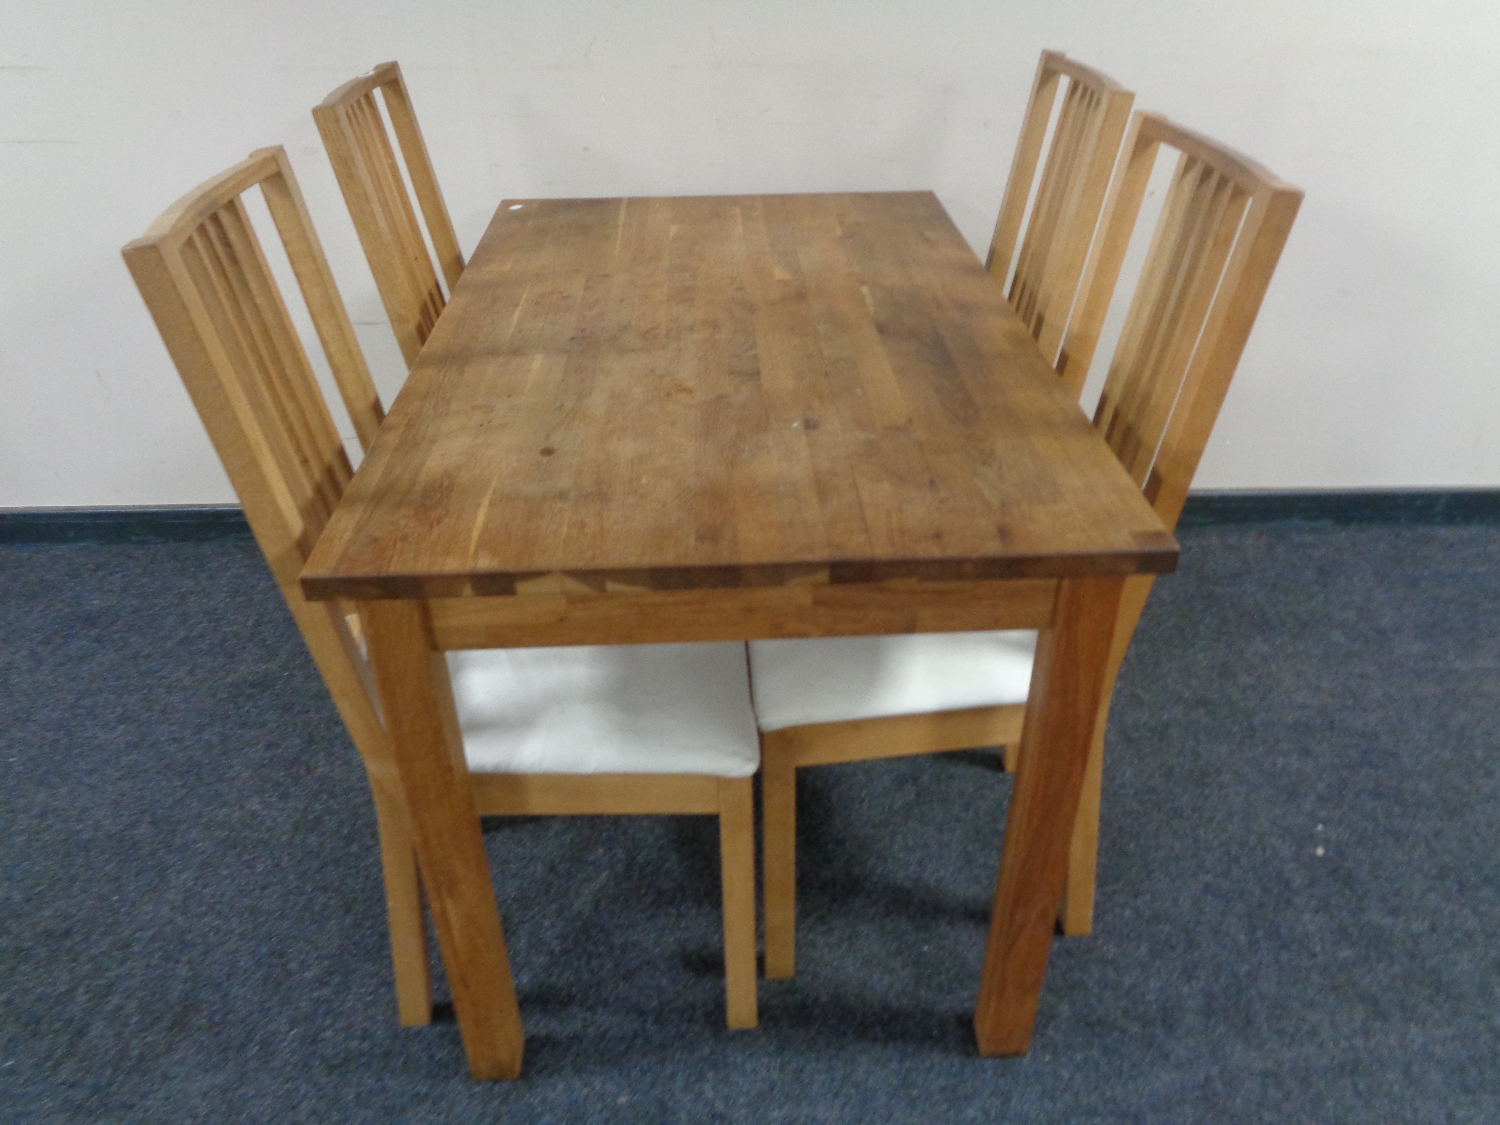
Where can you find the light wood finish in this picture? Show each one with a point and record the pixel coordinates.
(202, 273)
(365, 165)
(737, 876)
(737, 417)
(799, 610)
(204, 278)
(1043, 278)
(783, 752)
(729, 392)
(553, 794)
(417, 702)
(863, 740)
(1068, 682)
(729, 799)
(1212, 255)
(1076, 917)
(1222, 228)
(1216, 244)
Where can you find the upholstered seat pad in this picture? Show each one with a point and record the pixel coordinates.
(670, 708)
(834, 679)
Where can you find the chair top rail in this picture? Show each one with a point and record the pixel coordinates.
(188, 213)
(356, 88)
(1246, 173)
(1078, 72)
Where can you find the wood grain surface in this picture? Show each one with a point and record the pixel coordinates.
(684, 393)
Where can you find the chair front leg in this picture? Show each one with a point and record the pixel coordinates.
(778, 782)
(737, 875)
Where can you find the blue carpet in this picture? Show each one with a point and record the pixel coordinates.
(1297, 917)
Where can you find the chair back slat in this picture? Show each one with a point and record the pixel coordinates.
(1148, 383)
(293, 223)
(393, 212)
(364, 163)
(1044, 277)
(206, 281)
(1213, 251)
(264, 372)
(1047, 211)
(423, 180)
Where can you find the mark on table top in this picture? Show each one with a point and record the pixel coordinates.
(521, 304)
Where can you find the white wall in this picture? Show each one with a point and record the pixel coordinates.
(1373, 363)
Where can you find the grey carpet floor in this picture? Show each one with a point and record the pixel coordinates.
(1298, 914)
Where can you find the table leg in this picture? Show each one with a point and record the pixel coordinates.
(417, 702)
(1068, 680)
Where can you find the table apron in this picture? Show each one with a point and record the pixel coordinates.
(747, 613)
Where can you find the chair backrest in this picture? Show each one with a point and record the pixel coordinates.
(205, 279)
(365, 165)
(1085, 140)
(1222, 227)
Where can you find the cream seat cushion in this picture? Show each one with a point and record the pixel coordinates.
(665, 708)
(834, 679)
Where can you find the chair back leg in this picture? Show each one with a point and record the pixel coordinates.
(1076, 916)
(403, 899)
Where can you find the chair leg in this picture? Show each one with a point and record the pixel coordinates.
(737, 873)
(1010, 755)
(779, 832)
(403, 901)
(1077, 914)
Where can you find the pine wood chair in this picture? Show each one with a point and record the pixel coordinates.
(632, 729)
(365, 166)
(1219, 236)
(1042, 280)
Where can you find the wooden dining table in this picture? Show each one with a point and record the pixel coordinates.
(730, 418)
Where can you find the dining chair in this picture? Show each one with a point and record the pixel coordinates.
(365, 166)
(1042, 278)
(1220, 233)
(630, 729)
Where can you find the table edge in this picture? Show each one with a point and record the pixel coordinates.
(1155, 559)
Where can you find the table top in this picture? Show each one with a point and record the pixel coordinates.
(697, 392)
